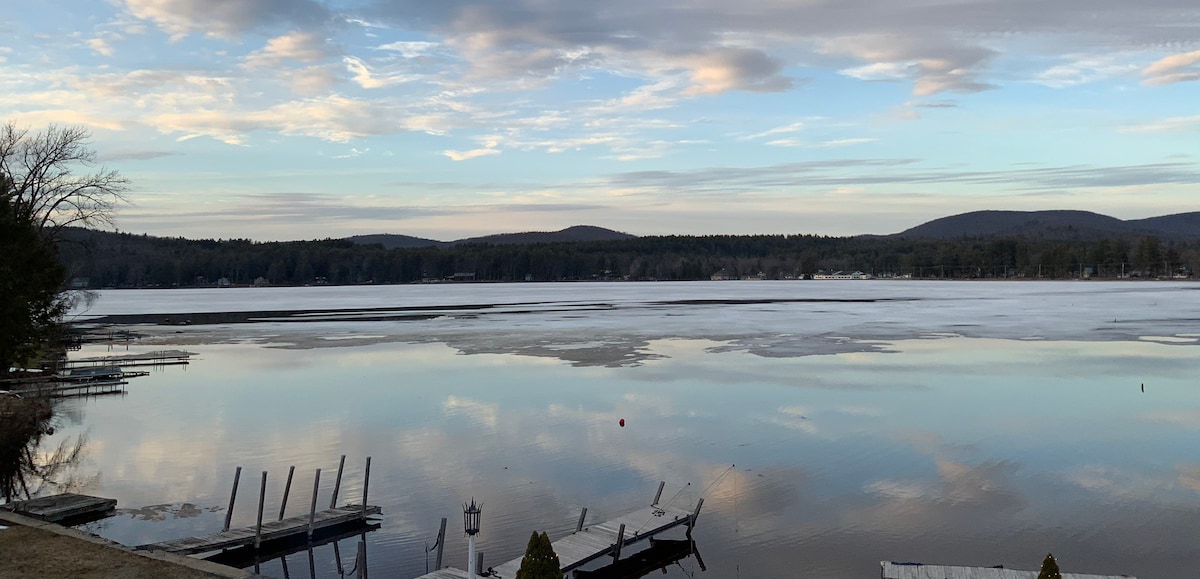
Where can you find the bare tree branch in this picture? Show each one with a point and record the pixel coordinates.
(46, 190)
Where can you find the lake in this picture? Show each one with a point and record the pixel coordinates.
(829, 425)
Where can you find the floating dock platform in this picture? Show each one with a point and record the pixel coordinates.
(62, 507)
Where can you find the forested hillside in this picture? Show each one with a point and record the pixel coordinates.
(125, 260)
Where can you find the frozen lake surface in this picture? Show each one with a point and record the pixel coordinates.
(957, 423)
(608, 323)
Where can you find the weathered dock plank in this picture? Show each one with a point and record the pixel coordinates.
(892, 570)
(270, 531)
(61, 507)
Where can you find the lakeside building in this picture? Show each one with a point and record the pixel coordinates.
(842, 275)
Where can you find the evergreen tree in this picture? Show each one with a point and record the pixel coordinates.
(540, 560)
(30, 279)
(1049, 568)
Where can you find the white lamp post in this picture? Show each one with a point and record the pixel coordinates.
(471, 526)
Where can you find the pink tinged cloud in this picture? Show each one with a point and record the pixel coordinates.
(1172, 69)
(473, 153)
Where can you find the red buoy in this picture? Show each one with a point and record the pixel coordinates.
(621, 422)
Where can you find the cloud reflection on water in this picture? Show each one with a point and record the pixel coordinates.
(952, 450)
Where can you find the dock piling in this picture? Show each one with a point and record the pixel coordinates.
(366, 482)
(337, 483)
(695, 515)
(262, 499)
(287, 489)
(582, 516)
(360, 562)
(441, 540)
(479, 564)
(312, 513)
(237, 474)
(620, 543)
(658, 495)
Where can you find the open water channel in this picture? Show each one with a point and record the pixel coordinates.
(954, 423)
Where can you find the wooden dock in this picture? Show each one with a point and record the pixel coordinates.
(892, 570)
(589, 543)
(62, 507)
(155, 359)
(248, 556)
(282, 529)
(51, 389)
(607, 538)
(271, 531)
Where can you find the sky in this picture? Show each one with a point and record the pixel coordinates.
(304, 119)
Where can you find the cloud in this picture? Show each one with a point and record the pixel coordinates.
(727, 69)
(224, 18)
(1082, 69)
(306, 47)
(124, 155)
(859, 172)
(789, 128)
(820, 144)
(410, 48)
(333, 118)
(473, 153)
(100, 46)
(369, 79)
(933, 64)
(1164, 125)
(312, 80)
(1172, 69)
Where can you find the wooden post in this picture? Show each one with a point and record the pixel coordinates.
(262, 497)
(337, 484)
(312, 566)
(695, 515)
(237, 474)
(658, 495)
(283, 562)
(366, 483)
(479, 564)
(620, 542)
(287, 488)
(337, 558)
(441, 543)
(312, 513)
(582, 515)
(361, 561)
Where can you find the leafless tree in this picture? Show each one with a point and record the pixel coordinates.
(49, 183)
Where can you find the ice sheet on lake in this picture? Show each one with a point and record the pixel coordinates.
(612, 323)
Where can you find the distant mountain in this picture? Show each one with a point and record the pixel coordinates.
(393, 241)
(576, 233)
(1186, 225)
(1053, 225)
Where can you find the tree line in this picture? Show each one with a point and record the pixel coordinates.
(106, 259)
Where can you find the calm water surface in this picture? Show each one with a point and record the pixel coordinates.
(948, 450)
